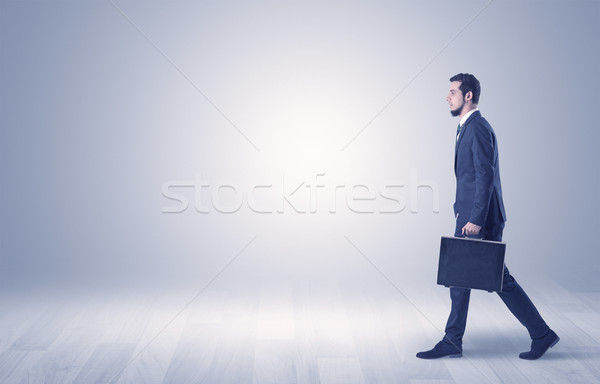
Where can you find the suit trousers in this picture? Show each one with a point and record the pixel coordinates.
(512, 294)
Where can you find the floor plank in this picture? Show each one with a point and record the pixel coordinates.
(63, 361)
(274, 362)
(15, 364)
(157, 345)
(46, 329)
(19, 319)
(340, 371)
(105, 364)
(193, 357)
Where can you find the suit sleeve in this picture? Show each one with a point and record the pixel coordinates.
(483, 158)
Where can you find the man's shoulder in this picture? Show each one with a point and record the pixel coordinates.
(478, 122)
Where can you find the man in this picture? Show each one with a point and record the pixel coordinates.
(479, 212)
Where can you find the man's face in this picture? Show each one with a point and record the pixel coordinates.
(455, 99)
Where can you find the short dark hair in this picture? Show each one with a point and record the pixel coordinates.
(469, 83)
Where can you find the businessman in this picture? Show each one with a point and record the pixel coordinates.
(479, 212)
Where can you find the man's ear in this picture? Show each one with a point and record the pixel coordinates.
(469, 95)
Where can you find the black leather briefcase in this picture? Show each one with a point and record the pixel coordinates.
(471, 263)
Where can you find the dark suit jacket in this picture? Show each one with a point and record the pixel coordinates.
(478, 190)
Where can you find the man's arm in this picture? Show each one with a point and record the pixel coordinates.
(483, 148)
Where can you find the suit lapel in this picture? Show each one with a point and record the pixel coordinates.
(462, 134)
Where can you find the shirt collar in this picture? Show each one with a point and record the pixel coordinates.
(465, 117)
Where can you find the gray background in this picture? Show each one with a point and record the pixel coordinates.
(100, 108)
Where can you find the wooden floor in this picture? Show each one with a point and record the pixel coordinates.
(287, 333)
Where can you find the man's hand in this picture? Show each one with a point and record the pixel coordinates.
(471, 229)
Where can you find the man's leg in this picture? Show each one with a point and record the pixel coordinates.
(457, 321)
(517, 301)
(451, 345)
(521, 306)
(515, 297)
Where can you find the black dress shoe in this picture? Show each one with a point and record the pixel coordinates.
(540, 346)
(441, 349)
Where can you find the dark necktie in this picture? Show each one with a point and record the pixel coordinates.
(458, 131)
